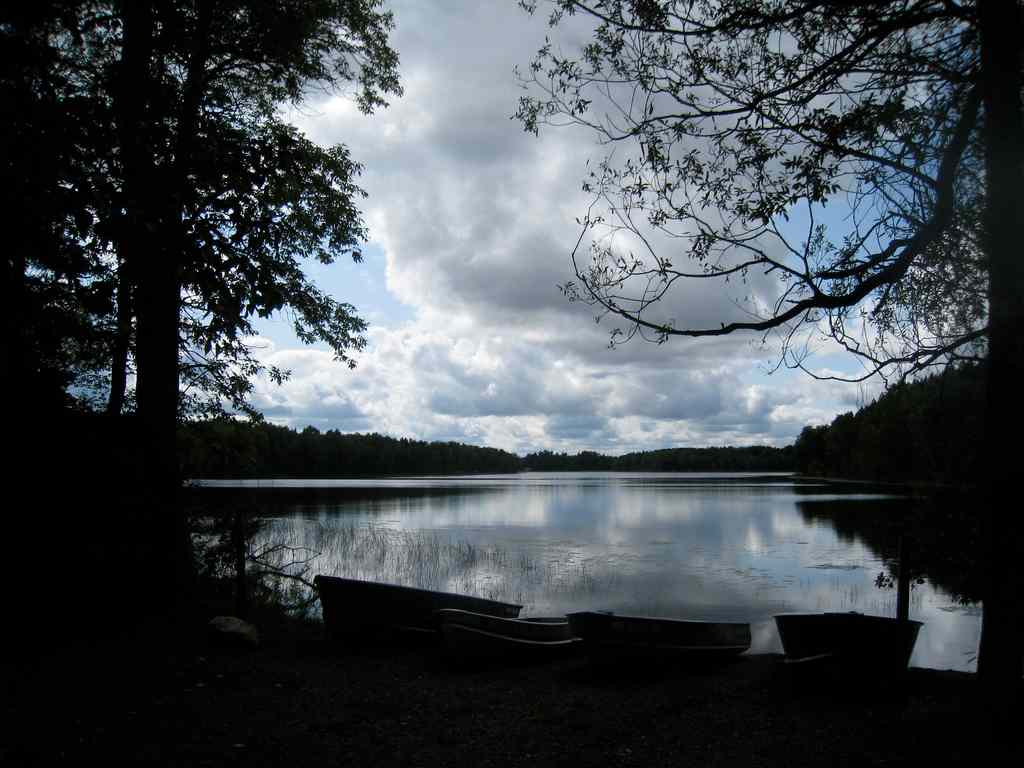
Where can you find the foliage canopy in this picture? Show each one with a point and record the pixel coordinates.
(729, 122)
(150, 133)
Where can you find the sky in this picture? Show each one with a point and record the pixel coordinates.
(471, 225)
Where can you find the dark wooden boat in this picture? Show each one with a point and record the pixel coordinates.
(854, 639)
(683, 639)
(351, 606)
(480, 636)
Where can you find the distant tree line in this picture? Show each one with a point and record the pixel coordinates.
(226, 448)
(759, 458)
(229, 448)
(584, 461)
(926, 431)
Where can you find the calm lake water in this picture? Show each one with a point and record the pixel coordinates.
(704, 546)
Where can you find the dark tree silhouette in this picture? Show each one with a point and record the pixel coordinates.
(228, 448)
(180, 204)
(197, 86)
(926, 432)
(727, 118)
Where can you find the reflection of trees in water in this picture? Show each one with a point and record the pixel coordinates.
(284, 501)
(941, 535)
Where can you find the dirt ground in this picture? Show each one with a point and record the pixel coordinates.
(161, 696)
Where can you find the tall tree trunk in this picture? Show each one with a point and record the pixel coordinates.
(1002, 642)
(122, 341)
(159, 292)
(155, 259)
(13, 355)
(151, 263)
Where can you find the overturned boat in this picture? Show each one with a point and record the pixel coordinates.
(352, 606)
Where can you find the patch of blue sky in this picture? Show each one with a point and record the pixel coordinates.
(836, 219)
(362, 284)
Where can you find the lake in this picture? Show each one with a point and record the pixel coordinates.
(705, 546)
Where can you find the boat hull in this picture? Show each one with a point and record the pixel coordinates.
(351, 606)
(850, 638)
(538, 629)
(647, 635)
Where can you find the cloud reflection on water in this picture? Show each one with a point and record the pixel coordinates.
(710, 547)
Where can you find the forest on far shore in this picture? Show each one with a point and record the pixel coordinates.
(926, 431)
(226, 448)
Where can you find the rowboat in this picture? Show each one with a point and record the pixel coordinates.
(683, 639)
(540, 629)
(854, 639)
(351, 606)
(480, 635)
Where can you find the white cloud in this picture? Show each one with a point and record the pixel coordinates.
(476, 219)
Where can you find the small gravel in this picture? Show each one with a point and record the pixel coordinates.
(299, 701)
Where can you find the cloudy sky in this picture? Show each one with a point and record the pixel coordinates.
(472, 222)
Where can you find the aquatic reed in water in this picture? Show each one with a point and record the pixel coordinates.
(432, 560)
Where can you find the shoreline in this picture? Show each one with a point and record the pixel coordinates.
(161, 698)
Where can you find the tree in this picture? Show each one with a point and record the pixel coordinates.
(196, 94)
(258, 195)
(255, 197)
(192, 202)
(54, 280)
(893, 128)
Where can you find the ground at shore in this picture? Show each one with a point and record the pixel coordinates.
(161, 696)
